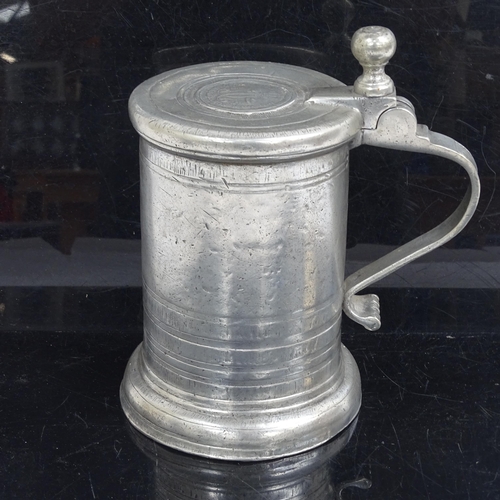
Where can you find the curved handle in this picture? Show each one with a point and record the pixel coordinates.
(397, 128)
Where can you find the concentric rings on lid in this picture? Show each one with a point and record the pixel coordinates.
(241, 111)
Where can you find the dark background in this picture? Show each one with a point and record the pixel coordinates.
(70, 297)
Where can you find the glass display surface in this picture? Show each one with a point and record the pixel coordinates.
(70, 246)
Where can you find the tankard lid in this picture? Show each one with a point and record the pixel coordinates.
(241, 111)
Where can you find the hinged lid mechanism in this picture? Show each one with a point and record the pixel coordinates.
(242, 111)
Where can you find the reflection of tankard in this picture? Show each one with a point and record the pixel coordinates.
(244, 178)
(307, 476)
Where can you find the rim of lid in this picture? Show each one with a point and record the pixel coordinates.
(241, 111)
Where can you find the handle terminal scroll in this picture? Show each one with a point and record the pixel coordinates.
(364, 309)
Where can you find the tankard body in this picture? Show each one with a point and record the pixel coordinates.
(244, 184)
(243, 269)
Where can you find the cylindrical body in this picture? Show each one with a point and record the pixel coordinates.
(243, 264)
(243, 268)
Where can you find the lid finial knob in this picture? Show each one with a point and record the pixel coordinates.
(373, 46)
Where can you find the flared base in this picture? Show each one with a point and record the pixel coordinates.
(230, 433)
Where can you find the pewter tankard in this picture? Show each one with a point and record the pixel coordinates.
(244, 181)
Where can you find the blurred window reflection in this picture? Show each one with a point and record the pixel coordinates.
(14, 11)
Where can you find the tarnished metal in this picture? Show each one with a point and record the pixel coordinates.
(244, 178)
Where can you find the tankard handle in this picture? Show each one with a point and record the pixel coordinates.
(397, 128)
